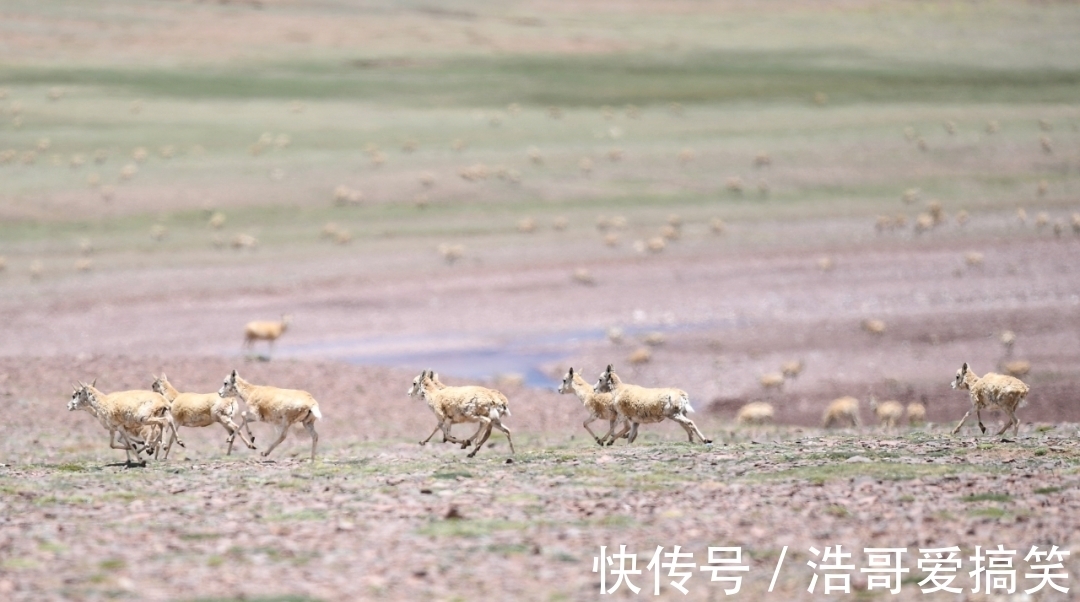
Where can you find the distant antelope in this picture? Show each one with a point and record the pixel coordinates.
(265, 331)
(1008, 339)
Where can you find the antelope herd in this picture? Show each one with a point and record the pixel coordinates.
(141, 418)
(147, 421)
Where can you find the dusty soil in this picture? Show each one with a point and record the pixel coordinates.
(730, 307)
(379, 516)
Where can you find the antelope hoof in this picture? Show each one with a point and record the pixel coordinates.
(423, 442)
(707, 441)
(471, 454)
(265, 453)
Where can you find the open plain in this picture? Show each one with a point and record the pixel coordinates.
(695, 193)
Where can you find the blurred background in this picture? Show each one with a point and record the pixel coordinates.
(700, 193)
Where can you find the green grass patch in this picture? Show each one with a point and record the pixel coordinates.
(302, 515)
(51, 546)
(912, 580)
(615, 520)
(468, 528)
(882, 470)
(112, 564)
(452, 475)
(653, 481)
(200, 536)
(285, 598)
(837, 510)
(519, 497)
(289, 484)
(565, 557)
(1047, 490)
(15, 564)
(507, 549)
(841, 455)
(988, 512)
(986, 497)
(70, 500)
(730, 75)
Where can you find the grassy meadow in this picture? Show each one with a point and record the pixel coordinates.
(827, 93)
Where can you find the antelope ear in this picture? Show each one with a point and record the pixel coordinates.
(964, 368)
(571, 370)
(609, 368)
(94, 383)
(233, 375)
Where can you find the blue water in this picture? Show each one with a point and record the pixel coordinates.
(478, 355)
